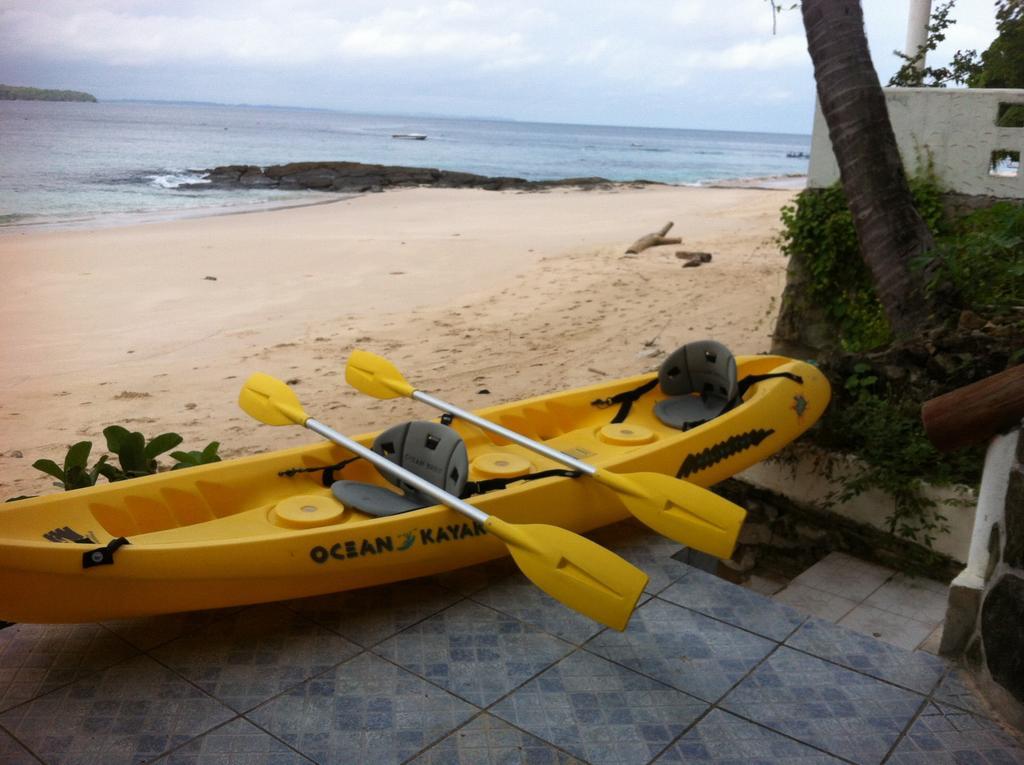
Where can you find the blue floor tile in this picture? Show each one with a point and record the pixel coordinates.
(834, 709)
(519, 597)
(474, 652)
(237, 743)
(365, 711)
(490, 741)
(128, 713)
(944, 735)
(956, 689)
(13, 753)
(687, 650)
(646, 549)
(724, 739)
(374, 614)
(916, 670)
(739, 606)
(599, 711)
(38, 658)
(247, 658)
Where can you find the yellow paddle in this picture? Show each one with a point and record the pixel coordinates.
(680, 510)
(580, 573)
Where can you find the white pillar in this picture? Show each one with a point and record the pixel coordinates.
(995, 479)
(917, 28)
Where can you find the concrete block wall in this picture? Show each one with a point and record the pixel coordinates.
(955, 127)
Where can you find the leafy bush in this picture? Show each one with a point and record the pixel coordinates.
(194, 459)
(983, 260)
(880, 424)
(977, 264)
(74, 474)
(818, 228)
(136, 456)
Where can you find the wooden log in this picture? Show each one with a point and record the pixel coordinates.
(653, 240)
(976, 412)
(703, 257)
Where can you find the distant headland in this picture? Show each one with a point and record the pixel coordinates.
(16, 93)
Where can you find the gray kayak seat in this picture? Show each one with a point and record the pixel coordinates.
(430, 450)
(700, 380)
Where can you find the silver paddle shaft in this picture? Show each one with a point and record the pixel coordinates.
(387, 466)
(511, 435)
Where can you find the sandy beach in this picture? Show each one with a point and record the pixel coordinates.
(155, 326)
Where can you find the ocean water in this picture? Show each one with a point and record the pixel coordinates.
(74, 162)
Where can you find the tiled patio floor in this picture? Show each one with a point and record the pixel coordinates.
(480, 668)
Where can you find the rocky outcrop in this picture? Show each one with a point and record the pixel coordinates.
(357, 177)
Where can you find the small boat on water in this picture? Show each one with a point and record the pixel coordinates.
(410, 136)
(798, 155)
(271, 526)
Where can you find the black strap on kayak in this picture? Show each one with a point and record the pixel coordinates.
(625, 399)
(744, 385)
(103, 556)
(493, 484)
(328, 472)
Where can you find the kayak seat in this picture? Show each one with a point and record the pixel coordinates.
(430, 450)
(700, 380)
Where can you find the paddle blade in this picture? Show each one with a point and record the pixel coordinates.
(680, 510)
(575, 571)
(376, 376)
(270, 401)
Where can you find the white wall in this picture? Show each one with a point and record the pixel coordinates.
(805, 485)
(956, 127)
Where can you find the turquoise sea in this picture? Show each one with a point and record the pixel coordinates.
(70, 163)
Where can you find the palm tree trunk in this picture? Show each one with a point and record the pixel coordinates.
(890, 231)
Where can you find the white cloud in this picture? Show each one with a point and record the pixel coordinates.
(275, 34)
(778, 52)
(570, 60)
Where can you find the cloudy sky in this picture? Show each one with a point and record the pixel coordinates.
(669, 63)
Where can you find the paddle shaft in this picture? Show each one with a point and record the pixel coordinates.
(387, 466)
(511, 435)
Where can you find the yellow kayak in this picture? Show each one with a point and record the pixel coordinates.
(253, 530)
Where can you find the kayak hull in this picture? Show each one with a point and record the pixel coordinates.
(237, 532)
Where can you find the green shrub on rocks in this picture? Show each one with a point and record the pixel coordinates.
(975, 277)
(818, 229)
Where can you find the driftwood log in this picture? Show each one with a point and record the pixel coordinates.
(976, 412)
(653, 240)
(692, 259)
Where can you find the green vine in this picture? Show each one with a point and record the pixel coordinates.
(879, 422)
(818, 229)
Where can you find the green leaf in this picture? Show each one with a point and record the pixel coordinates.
(78, 478)
(77, 456)
(162, 443)
(110, 472)
(210, 452)
(50, 468)
(115, 436)
(132, 455)
(185, 459)
(96, 469)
